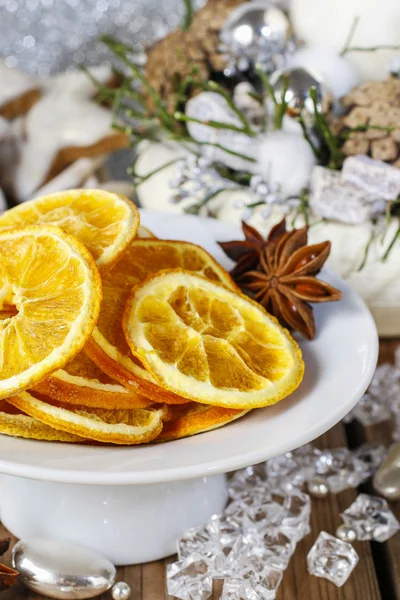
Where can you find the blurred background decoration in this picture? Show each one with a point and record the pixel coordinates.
(44, 37)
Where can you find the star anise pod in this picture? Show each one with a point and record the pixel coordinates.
(8, 576)
(246, 253)
(280, 273)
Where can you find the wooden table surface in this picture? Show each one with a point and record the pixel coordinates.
(376, 577)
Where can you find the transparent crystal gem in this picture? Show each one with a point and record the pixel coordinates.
(331, 559)
(190, 579)
(249, 481)
(250, 584)
(294, 514)
(306, 457)
(274, 546)
(213, 541)
(284, 472)
(371, 409)
(371, 455)
(371, 518)
(262, 516)
(290, 512)
(340, 469)
(385, 384)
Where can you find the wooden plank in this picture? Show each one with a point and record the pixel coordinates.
(387, 556)
(297, 583)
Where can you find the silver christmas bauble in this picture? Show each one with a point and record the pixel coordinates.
(121, 591)
(346, 533)
(256, 32)
(62, 570)
(297, 82)
(317, 487)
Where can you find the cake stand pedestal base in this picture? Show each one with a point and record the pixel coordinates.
(128, 524)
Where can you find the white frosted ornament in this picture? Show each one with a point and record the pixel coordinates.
(211, 106)
(155, 192)
(286, 161)
(329, 22)
(325, 62)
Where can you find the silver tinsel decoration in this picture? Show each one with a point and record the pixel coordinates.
(196, 179)
(198, 182)
(48, 36)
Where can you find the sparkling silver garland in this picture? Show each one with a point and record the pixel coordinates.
(47, 36)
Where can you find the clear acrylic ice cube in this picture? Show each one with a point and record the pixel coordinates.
(371, 518)
(371, 409)
(306, 457)
(213, 542)
(274, 546)
(284, 472)
(332, 559)
(190, 579)
(371, 455)
(340, 469)
(251, 584)
(196, 540)
(244, 481)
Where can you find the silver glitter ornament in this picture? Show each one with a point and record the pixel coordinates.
(121, 591)
(256, 33)
(317, 487)
(297, 82)
(346, 533)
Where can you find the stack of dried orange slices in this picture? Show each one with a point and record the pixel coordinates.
(110, 335)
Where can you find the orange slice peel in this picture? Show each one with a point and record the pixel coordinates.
(108, 347)
(15, 423)
(104, 222)
(50, 294)
(193, 418)
(127, 427)
(81, 382)
(209, 344)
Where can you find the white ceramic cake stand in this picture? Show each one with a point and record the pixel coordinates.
(132, 503)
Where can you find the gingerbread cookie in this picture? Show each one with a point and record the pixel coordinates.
(18, 92)
(64, 126)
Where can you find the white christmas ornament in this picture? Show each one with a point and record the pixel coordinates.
(325, 62)
(210, 106)
(329, 22)
(285, 160)
(155, 192)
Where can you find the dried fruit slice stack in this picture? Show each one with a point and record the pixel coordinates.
(110, 335)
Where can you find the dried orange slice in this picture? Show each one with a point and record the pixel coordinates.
(192, 418)
(145, 233)
(108, 347)
(17, 424)
(128, 427)
(104, 222)
(81, 382)
(209, 344)
(50, 294)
